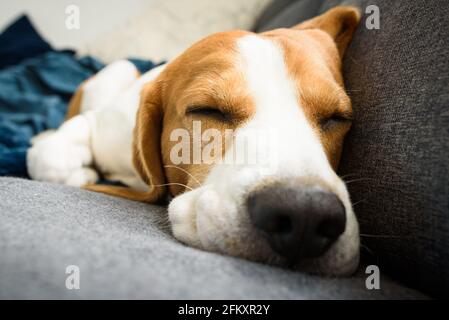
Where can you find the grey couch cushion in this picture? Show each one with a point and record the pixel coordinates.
(124, 250)
(287, 13)
(398, 78)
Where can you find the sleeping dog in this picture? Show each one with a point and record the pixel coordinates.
(292, 211)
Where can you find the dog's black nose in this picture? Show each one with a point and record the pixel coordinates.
(297, 222)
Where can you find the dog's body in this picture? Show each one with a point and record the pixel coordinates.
(288, 80)
(100, 126)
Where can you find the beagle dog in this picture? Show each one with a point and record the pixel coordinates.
(293, 212)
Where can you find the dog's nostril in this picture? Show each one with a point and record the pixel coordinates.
(331, 228)
(333, 223)
(297, 222)
(279, 223)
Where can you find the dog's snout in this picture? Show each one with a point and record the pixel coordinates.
(298, 222)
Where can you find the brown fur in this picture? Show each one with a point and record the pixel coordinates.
(74, 107)
(322, 87)
(207, 75)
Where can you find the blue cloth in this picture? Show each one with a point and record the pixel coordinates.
(34, 94)
(13, 50)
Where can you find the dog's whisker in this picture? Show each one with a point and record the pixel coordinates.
(401, 191)
(357, 180)
(379, 236)
(172, 184)
(354, 60)
(355, 90)
(368, 249)
(185, 171)
(358, 202)
(348, 175)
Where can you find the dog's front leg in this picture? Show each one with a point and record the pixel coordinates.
(65, 155)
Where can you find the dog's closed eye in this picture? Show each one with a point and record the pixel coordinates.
(334, 120)
(210, 112)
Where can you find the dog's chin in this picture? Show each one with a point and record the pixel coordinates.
(330, 264)
(336, 262)
(200, 219)
(340, 260)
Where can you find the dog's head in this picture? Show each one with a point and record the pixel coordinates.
(246, 131)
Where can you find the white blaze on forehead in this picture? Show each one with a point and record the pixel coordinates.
(298, 148)
(214, 215)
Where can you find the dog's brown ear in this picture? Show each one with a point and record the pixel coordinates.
(339, 22)
(147, 157)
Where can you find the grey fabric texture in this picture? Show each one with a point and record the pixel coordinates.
(287, 13)
(270, 12)
(398, 78)
(124, 250)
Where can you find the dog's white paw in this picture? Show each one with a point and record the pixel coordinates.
(41, 136)
(53, 158)
(81, 177)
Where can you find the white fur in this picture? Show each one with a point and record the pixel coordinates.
(218, 206)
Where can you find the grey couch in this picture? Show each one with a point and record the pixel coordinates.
(124, 250)
(398, 78)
